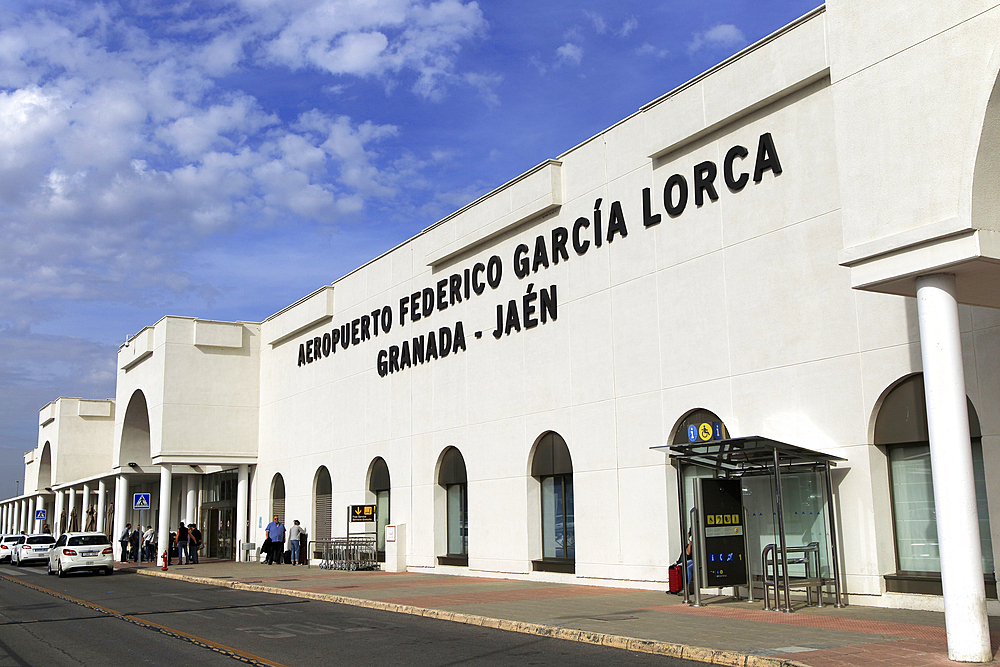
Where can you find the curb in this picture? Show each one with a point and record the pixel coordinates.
(693, 653)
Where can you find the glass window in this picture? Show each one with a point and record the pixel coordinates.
(453, 478)
(88, 540)
(553, 467)
(458, 519)
(913, 507)
(41, 539)
(378, 484)
(557, 517)
(901, 427)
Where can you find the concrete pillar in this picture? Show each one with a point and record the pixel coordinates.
(190, 499)
(16, 528)
(121, 490)
(102, 492)
(84, 505)
(3, 518)
(60, 505)
(72, 506)
(30, 523)
(163, 530)
(242, 487)
(966, 623)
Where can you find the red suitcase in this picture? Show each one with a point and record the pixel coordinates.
(676, 579)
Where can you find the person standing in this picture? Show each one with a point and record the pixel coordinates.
(123, 539)
(194, 542)
(182, 544)
(149, 543)
(276, 531)
(294, 533)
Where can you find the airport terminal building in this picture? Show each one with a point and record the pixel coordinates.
(801, 244)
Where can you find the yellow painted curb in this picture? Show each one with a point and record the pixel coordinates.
(693, 653)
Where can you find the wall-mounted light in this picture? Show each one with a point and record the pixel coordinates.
(49, 489)
(133, 464)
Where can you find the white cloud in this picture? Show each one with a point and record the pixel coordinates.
(569, 53)
(600, 27)
(628, 27)
(648, 49)
(724, 35)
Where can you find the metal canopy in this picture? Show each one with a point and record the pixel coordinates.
(751, 455)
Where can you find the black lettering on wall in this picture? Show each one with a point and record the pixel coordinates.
(680, 184)
(767, 158)
(704, 182)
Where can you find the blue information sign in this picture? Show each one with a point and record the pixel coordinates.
(692, 433)
(140, 501)
(717, 430)
(40, 515)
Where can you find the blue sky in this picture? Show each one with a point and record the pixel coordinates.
(223, 159)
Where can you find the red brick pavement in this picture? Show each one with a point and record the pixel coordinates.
(516, 595)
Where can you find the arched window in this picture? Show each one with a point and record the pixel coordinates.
(552, 466)
(278, 497)
(323, 507)
(452, 477)
(378, 485)
(901, 428)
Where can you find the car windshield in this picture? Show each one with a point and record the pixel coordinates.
(41, 539)
(88, 540)
(10, 539)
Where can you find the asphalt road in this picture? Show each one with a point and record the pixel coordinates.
(130, 619)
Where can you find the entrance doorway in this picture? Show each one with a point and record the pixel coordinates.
(220, 524)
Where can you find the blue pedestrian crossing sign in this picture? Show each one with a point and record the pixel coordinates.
(140, 501)
(40, 515)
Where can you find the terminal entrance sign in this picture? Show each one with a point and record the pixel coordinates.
(723, 537)
(140, 501)
(362, 513)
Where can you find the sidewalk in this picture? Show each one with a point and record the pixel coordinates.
(730, 629)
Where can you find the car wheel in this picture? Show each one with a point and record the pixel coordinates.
(15, 562)
(48, 567)
(59, 570)
(109, 570)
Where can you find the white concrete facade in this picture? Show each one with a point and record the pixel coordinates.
(750, 244)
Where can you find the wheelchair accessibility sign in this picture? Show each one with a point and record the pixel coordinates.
(140, 501)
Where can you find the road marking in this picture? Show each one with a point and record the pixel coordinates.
(236, 654)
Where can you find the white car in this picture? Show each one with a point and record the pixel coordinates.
(31, 547)
(7, 546)
(81, 551)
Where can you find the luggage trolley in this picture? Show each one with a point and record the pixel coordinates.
(354, 552)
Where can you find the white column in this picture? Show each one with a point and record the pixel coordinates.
(85, 505)
(102, 492)
(72, 505)
(40, 504)
(30, 523)
(163, 530)
(966, 623)
(121, 490)
(6, 518)
(191, 498)
(242, 484)
(60, 506)
(3, 519)
(17, 517)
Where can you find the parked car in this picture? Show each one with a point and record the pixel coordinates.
(29, 548)
(81, 551)
(7, 546)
